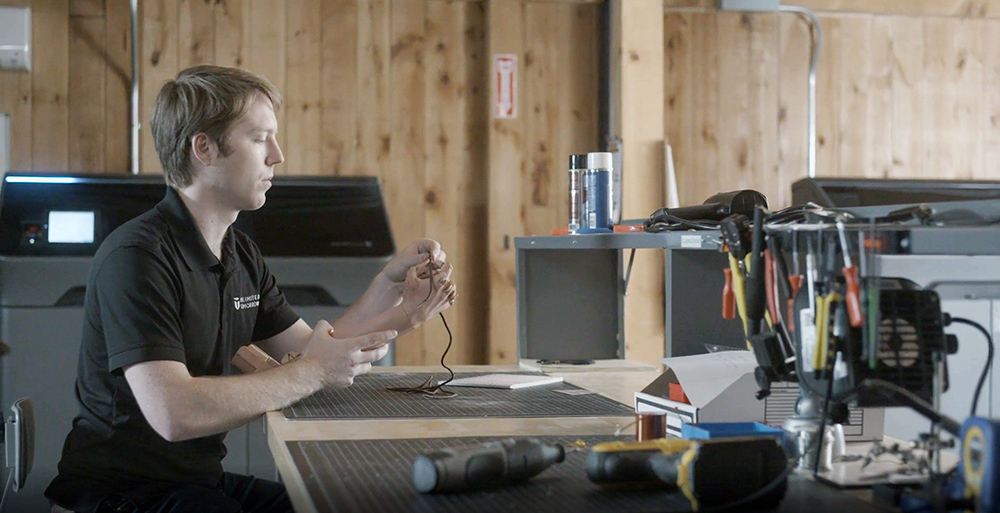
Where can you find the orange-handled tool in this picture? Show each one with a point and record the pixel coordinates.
(772, 304)
(728, 296)
(794, 283)
(853, 297)
(853, 293)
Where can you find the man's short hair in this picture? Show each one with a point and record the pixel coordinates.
(205, 99)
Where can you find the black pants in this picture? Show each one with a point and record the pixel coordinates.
(235, 494)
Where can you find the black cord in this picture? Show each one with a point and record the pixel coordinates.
(822, 422)
(427, 388)
(662, 221)
(989, 359)
(757, 494)
(451, 373)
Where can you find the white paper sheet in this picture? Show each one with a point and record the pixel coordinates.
(705, 376)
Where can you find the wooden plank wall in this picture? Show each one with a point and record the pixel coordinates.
(905, 90)
(392, 88)
(557, 116)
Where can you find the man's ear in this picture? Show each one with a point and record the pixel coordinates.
(204, 149)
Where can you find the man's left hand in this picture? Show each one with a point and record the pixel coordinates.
(414, 254)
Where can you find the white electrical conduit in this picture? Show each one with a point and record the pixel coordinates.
(134, 137)
(816, 30)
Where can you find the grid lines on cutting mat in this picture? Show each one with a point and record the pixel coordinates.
(369, 399)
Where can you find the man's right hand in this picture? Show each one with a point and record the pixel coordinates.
(344, 359)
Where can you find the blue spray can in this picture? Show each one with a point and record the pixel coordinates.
(597, 194)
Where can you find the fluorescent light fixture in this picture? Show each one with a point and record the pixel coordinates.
(42, 179)
(71, 227)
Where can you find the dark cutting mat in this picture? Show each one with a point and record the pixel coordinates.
(369, 399)
(374, 475)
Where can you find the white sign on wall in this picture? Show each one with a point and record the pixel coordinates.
(505, 78)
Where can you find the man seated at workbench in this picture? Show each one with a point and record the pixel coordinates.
(173, 294)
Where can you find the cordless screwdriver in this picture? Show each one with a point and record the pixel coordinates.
(709, 473)
(489, 465)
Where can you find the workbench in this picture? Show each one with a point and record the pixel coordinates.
(315, 484)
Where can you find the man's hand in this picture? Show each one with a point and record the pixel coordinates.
(414, 254)
(428, 290)
(344, 359)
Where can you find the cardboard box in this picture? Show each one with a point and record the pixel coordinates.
(721, 388)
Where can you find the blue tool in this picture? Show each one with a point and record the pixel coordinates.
(979, 467)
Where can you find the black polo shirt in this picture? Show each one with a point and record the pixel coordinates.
(156, 292)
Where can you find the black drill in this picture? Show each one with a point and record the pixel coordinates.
(489, 465)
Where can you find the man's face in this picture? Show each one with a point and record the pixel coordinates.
(240, 179)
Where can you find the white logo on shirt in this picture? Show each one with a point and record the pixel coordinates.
(242, 303)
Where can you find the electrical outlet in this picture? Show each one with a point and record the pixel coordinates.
(15, 38)
(750, 5)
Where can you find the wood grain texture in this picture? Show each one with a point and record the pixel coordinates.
(415, 181)
(471, 262)
(339, 57)
(232, 32)
(15, 100)
(642, 130)
(195, 33)
(87, 98)
(159, 63)
(917, 8)
(374, 140)
(118, 88)
(303, 90)
(50, 85)
(507, 165)
(269, 55)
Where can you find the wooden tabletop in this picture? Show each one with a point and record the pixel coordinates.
(615, 380)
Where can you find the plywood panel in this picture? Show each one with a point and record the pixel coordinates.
(507, 162)
(118, 88)
(50, 85)
(196, 33)
(418, 190)
(678, 109)
(953, 66)
(87, 97)
(852, 46)
(918, 8)
(15, 100)
(540, 108)
(991, 100)
(763, 96)
(793, 107)
(705, 105)
(735, 146)
(232, 32)
(374, 140)
(268, 54)
(906, 36)
(159, 63)
(642, 130)
(880, 87)
(339, 56)
(448, 90)
(303, 94)
(828, 91)
(470, 256)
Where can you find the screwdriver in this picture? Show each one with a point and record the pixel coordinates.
(490, 465)
(705, 471)
(853, 292)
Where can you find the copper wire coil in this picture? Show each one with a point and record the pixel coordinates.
(649, 426)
